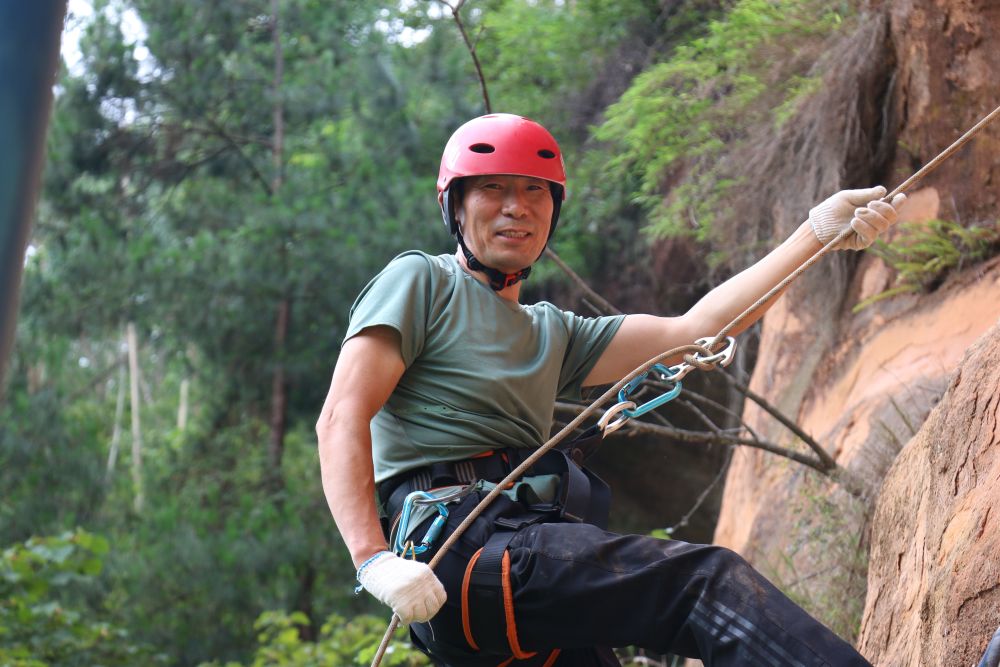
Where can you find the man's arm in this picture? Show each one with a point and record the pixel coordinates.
(642, 337)
(367, 371)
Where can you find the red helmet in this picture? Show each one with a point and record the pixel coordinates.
(502, 143)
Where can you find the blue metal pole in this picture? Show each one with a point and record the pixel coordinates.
(29, 56)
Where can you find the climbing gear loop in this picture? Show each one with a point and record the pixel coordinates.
(450, 497)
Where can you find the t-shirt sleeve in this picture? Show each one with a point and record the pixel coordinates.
(398, 297)
(588, 338)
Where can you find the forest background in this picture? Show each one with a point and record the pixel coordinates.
(221, 180)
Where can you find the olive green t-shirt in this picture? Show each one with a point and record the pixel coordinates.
(481, 372)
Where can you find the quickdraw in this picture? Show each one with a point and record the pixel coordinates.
(625, 409)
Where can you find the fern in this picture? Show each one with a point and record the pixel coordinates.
(926, 252)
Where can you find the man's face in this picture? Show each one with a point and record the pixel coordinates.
(505, 219)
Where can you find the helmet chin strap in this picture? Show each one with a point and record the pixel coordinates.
(498, 279)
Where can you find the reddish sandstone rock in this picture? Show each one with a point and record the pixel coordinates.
(934, 576)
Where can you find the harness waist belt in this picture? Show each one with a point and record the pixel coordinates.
(583, 496)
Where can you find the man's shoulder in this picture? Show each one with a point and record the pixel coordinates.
(419, 262)
(549, 314)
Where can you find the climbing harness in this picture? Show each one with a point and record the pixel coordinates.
(687, 352)
(581, 495)
(619, 414)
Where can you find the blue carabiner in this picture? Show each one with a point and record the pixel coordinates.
(671, 374)
(400, 547)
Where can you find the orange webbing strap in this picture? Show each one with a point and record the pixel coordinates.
(508, 601)
(508, 610)
(466, 625)
(488, 599)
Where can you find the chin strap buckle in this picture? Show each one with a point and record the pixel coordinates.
(498, 279)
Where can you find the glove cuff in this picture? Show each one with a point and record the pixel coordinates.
(361, 569)
(825, 222)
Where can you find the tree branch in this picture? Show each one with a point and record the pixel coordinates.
(593, 296)
(258, 176)
(221, 132)
(703, 496)
(701, 437)
(785, 421)
(636, 427)
(695, 397)
(472, 49)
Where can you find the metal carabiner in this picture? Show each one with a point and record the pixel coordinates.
(672, 374)
(723, 357)
(403, 527)
(606, 425)
(431, 498)
(666, 397)
(434, 531)
(625, 409)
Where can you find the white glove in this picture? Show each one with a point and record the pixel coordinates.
(408, 586)
(847, 207)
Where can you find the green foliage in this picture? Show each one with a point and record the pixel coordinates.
(926, 252)
(43, 618)
(539, 57)
(164, 205)
(340, 642)
(680, 117)
(47, 442)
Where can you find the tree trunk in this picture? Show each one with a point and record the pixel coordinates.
(279, 395)
(182, 407)
(116, 434)
(134, 380)
(304, 603)
(279, 398)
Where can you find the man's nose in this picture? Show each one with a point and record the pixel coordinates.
(514, 203)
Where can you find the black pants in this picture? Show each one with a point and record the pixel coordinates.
(576, 590)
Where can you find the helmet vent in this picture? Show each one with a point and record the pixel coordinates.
(482, 148)
(546, 153)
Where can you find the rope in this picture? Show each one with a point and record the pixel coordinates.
(685, 350)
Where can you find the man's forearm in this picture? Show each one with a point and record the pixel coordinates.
(724, 303)
(345, 454)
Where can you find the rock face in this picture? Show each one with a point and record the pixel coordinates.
(906, 388)
(934, 578)
(869, 396)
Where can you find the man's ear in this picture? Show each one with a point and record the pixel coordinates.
(455, 197)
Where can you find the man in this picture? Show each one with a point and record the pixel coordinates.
(445, 378)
